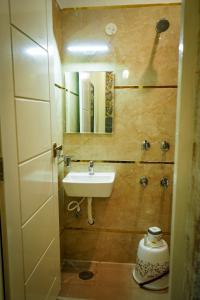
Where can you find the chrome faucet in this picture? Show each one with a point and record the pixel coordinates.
(144, 181)
(164, 146)
(145, 145)
(164, 182)
(91, 168)
(67, 160)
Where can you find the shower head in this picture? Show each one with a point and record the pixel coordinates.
(162, 25)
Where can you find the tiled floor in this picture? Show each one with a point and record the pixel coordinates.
(111, 281)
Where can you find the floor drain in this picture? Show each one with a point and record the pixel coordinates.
(86, 275)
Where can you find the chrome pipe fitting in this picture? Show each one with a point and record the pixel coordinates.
(164, 146)
(164, 182)
(67, 160)
(144, 181)
(91, 167)
(145, 145)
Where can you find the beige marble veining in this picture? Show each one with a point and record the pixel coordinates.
(150, 60)
(130, 207)
(101, 246)
(121, 219)
(57, 25)
(138, 115)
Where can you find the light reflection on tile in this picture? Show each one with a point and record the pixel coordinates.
(134, 47)
(139, 115)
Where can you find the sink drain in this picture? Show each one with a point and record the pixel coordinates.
(86, 275)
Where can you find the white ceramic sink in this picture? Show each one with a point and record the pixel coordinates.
(81, 184)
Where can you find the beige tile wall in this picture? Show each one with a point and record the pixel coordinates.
(150, 61)
(131, 207)
(57, 25)
(139, 114)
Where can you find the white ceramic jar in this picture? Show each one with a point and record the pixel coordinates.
(154, 234)
(152, 261)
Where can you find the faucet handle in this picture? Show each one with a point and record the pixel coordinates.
(91, 167)
(145, 145)
(164, 182)
(67, 160)
(144, 181)
(164, 146)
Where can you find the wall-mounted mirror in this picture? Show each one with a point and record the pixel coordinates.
(89, 102)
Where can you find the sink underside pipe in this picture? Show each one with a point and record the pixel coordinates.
(76, 205)
(90, 217)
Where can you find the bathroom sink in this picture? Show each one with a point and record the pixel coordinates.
(82, 184)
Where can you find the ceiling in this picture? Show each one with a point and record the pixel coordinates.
(93, 3)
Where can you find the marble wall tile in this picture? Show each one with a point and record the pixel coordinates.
(130, 207)
(125, 216)
(57, 27)
(138, 115)
(135, 47)
(101, 246)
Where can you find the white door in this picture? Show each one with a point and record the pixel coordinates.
(30, 212)
(1, 199)
(1, 273)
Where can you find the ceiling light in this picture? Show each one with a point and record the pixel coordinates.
(88, 49)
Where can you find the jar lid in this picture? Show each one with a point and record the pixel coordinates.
(154, 230)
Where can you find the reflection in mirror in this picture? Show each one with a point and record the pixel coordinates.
(89, 102)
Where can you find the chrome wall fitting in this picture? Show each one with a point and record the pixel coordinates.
(164, 146)
(146, 145)
(91, 167)
(67, 160)
(144, 181)
(164, 182)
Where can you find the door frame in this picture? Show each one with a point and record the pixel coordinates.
(184, 150)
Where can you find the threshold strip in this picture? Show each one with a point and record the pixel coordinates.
(107, 161)
(118, 87)
(67, 90)
(120, 6)
(73, 93)
(108, 230)
(59, 86)
(157, 162)
(124, 161)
